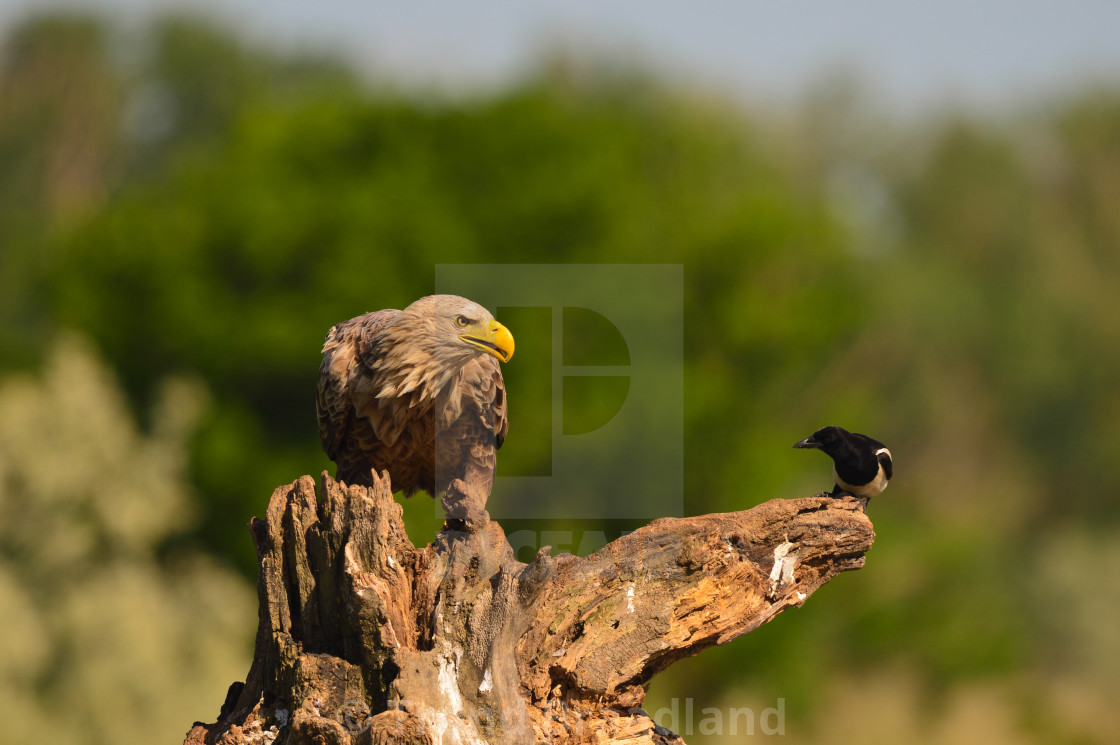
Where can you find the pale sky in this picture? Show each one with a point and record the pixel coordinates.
(986, 52)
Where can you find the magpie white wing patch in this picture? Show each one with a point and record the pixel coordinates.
(886, 465)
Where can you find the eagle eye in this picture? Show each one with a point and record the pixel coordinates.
(462, 320)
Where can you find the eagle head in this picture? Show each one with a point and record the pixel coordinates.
(457, 329)
(432, 339)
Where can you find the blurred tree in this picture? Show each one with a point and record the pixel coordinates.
(58, 103)
(58, 97)
(105, 640)
(85, 112)
(195, 81)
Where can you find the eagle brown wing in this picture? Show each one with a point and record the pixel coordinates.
(346, 343)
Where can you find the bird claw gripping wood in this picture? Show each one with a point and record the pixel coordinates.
(465, 508)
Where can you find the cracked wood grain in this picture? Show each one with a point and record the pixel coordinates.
(364, 638)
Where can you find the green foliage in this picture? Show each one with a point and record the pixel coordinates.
(949, 290)
(106, 637)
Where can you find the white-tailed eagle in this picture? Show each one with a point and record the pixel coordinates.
(417, 392)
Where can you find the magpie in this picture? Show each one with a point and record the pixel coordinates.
(861, 466)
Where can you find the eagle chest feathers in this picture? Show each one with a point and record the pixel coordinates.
(418, 393)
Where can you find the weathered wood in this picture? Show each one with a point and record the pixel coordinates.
(364, 638)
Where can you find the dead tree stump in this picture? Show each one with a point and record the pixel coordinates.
(364, 639)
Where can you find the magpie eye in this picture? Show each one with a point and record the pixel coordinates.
(462, 320)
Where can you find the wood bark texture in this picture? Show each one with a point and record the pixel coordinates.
(364, 639)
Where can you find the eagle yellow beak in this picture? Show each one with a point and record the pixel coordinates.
(496, 341)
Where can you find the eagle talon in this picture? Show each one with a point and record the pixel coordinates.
(465, 510)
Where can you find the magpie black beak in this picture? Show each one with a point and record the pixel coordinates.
(808, 442)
